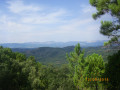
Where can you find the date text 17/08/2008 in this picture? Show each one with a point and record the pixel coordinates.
(97, 79)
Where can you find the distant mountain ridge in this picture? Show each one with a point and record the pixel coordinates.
(52, 44)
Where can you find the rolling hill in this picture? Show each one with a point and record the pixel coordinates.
(57, 56)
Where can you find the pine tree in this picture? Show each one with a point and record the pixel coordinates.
(108, 28)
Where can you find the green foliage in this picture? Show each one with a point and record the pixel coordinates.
(112, 71)
(82, 68)
(74, 56)
(108, 28)
(79, 72)
(58, 78)
(56, 56)
(106, 43)
(115, 7)
(105, 52)
(94, 69)
(76, 64)
(20, 73)
(47, 55)
(77, 49)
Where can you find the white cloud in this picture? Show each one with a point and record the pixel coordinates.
(28, 22)
(17, 6)
(75, 29)
(45, 18)
(75, 23)
(32, 14)
(88, 9)
(8, 25)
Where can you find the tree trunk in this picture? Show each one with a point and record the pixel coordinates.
(96, 86)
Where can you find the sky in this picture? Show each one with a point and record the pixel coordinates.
(48, 20)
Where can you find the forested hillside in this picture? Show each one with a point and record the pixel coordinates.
(47, 55)
(19, 72)
(57, 56)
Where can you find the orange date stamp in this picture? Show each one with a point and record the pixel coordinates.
(97, 79)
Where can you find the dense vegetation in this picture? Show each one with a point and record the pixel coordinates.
(47, 55)
(57, 56)
(21, 73)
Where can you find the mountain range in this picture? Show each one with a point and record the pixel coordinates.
(52, 44)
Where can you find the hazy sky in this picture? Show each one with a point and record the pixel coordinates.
(48, 20)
